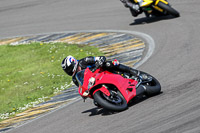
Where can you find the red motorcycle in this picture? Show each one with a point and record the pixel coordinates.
(114, 91)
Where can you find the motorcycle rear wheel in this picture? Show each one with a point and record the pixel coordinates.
(115, 102)
(169, 9)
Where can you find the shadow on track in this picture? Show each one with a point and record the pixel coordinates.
(99, 111)
(153, 19)
(104, 112)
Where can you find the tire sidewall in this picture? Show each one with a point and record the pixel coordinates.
(152, 90)
(169, 9)
(107, 105)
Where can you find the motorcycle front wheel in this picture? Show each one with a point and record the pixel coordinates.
(169, 9)
(114, 102)
(151, 88)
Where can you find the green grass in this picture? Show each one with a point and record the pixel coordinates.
(32, 71)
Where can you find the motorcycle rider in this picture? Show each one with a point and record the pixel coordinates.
(134, 6)
(71, 66)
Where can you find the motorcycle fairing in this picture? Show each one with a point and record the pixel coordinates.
(104, 90)
(147, 7)
(163, 1)
(147, 3)
(124, 85)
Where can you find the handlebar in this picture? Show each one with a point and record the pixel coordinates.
(95, 68)
(98, 64)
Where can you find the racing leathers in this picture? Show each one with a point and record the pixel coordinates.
(134, 6)
(112, 66)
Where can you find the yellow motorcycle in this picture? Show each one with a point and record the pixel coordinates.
(157, 8)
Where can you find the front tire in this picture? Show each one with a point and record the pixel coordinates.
(115, 101)
(169, 9)
(152, 88)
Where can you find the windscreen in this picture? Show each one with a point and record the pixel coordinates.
(80, 77)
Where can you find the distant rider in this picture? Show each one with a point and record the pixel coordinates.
(71, 66)
(134, 5)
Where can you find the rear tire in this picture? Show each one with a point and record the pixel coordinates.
(169, 9)
(118, 104)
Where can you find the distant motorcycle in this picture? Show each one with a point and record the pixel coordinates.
(114, 91)
(157, 8)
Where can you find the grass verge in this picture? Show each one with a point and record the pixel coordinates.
(31, 73)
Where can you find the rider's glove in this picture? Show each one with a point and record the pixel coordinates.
(100, 60)
(124, 2)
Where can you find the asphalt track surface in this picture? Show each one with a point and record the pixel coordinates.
(175, 63)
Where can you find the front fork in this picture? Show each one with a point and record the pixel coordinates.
(103, 89)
